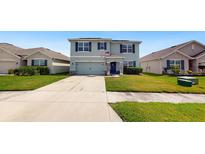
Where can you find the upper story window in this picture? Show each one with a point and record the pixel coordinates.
(83, 46)
(39, 62)
(127, 48)
(102, 46)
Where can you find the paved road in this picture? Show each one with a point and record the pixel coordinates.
(114, 97)
(77, 98)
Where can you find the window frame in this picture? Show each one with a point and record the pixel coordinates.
(128, 48)
(101, 44)
(129, 63)
(175, 62)
(82, 46)
(39, 60)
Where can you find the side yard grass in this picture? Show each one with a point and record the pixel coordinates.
(160, 112)
(18, 83)
(151, 83)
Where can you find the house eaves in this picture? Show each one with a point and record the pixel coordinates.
(10, 53)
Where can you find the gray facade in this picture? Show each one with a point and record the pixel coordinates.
(102, 56)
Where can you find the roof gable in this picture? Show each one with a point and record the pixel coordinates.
(47, 52)
(165, 52)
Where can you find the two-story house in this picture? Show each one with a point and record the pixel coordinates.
(102, 56)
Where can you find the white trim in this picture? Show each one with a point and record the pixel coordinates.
(39, 59)
(177, 60)
(103, 45)
(176, 51)
(7, 60)
(200, 56)
(189, 43)
(127, 48)
(128, 62)
(84, 51)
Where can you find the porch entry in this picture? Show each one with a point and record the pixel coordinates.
(113, 68)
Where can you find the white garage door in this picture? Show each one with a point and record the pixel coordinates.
(6, 65)
(87, 68)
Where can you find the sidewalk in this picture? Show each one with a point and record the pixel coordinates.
(114, 97)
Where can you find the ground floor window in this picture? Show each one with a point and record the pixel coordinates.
(39, 62)
(129, 63)
(179, 63)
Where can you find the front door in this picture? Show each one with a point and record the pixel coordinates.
(113, 68)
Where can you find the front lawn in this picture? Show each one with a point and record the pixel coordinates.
(151, 83)
(160, 112)
(16, 83)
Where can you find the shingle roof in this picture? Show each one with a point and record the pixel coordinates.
(48, 52)
(99, 39)
(26, 52)
(11, 48)
(162, 53)
(200, 53)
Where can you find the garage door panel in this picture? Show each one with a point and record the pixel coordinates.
(6, 65)
(86, 68)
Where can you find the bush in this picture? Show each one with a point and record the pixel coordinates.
(132, 70)
(26, 71)
(43, 70)
(11, 71)
(16, 71)
(31, 70)
(189, 72)
(175, 69)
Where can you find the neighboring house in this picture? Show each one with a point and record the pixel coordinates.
(188, 56)
(102, 56)
(12, 57)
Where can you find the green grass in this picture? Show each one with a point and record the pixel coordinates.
(17, 83)
(151, 83)
(160, 112)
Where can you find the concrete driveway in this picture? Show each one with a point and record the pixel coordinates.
(77, 98)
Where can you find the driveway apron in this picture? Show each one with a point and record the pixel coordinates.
(77, 98)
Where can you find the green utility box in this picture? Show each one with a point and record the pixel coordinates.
(186, 83)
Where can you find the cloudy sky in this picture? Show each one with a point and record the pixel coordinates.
(57, 41)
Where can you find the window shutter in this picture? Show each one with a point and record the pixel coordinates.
(133, 48)
(90, 46)
(32, 63)
(105, 44)
(134, 63)
(120, 48)
(168, 64)
(46, 62)
(182, 64)
(76, 46)
(98, 46)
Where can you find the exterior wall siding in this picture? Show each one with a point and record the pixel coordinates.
(157, 66)
(94, 50)
(176, 56)
(96, 55)
(8, 61)
(115, 49)
(152, 66)
(41, 56)
(198, 61)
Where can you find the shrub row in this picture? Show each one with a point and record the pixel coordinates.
(30, 70)
(132, 70)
